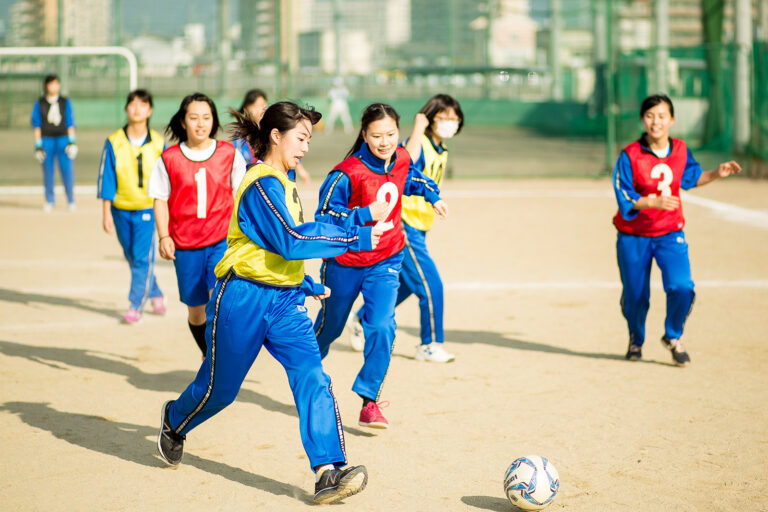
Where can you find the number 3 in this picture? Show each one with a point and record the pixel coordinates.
(391, 189)
(664, 172)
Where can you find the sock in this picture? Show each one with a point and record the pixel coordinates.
(366, 401)
(198, 332)
(320, 469)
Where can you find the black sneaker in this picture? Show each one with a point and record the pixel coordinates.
(169, 443)
(634, 352)
(679, 355)
(336, 484)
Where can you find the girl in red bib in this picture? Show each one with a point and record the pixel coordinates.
(647, 180)
(193, 184)
(366, 188)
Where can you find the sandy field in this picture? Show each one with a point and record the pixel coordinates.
(532, 292)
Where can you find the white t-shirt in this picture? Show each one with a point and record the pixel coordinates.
(159, 186)
(661, 153)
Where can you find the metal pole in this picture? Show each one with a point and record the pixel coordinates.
(337, 36)
(79, 50)
(224, 49)
(62, 60)
(555, 29)
(661, 14)
(742, 95)
(610, 93)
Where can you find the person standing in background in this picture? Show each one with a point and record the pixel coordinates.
(53, 124)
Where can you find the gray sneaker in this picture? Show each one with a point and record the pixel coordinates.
(169, 443)
(679, 355)
(336, 484)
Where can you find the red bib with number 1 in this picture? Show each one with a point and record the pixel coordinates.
(201, 200)
(369, 186)
(654, 176)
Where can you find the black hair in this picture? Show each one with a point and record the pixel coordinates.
(250, 98)
(372, 113)
(141, 94)
(652, 101)
(53, 77)
(282, 116)
(437, 104)
(176, 131)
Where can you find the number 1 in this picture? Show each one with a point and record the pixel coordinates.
(202, 192)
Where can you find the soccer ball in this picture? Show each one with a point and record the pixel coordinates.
(531, 482)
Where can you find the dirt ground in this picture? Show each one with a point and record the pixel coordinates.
(532, 314)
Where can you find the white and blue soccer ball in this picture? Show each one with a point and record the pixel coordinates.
(531, 482)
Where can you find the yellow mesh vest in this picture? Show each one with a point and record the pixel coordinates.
(251, 261)
(417, 212)
(131, 186)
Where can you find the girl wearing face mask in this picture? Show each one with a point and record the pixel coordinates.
(439, 119)
(647, 180)
(259, 302)
(367, 187)
(192, 184)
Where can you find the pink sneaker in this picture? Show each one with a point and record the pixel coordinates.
(158, 306)
(131, 317)
(371, 416)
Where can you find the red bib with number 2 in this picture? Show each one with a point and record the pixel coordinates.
(654, 176)
(367, 187)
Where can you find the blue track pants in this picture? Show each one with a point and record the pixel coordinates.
(54, 149)
(635, 254)
(242, 317)
(136, 234)
(379, 284)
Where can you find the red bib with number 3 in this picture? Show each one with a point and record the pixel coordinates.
(654, 176)
(369, 186)
(201, 201)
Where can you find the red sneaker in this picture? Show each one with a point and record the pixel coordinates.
(158, 306)
(131, 317)
(371, 416)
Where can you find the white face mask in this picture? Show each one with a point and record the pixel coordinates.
(447, 129)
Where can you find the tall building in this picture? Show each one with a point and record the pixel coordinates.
(36, 23)
(87, 22)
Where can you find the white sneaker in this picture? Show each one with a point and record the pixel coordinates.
(72, 207)
(434, 353)
(48, 207)
(356, 334)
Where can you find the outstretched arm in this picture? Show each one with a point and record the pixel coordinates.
(723, 170)
(264, 218)
(418, 184)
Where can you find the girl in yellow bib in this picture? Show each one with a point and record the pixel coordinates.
(126, 161)
(258, 300)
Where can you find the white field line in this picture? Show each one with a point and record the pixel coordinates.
(733, 213)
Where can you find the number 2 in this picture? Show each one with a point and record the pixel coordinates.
(664, 172)
(202, 193)
(391, 189)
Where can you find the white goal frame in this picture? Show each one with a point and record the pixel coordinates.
(28, 51)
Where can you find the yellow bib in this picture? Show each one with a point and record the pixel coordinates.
(251, 261)
(417, 212)
(133, 166)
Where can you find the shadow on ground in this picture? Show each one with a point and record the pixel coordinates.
(489, 503)
(501, 340)
(129, 442)
(28, 299)
(171, 382)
